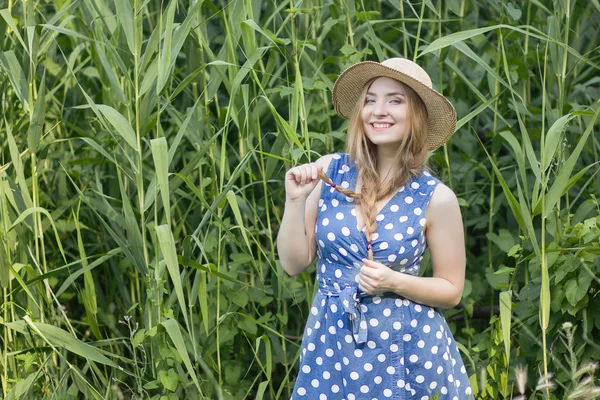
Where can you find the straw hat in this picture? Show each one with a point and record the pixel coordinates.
(441, 114)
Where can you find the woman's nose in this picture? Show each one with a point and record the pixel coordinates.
(380, 108)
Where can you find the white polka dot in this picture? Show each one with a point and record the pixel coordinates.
(321, 243)
(407, 337)
(431, 182)
(422, 221)
(363, 324)
(338, 366)
(414, 243)
(394, 208)
(338, 273)
(387, 312)
(410, 230)
(329, 352)
(398, 236)
(394, 348)
(414, 358)
(381, 357)
(408, 200)
(384, 335)
(315, 383)
(397, 325)
(434, 350)
(440, 369)
(389, 226)
(414, 185)
(345, 184)
(391, 258)
(368, 367)
(364, 389)
(319, 360)
(301, 391)
(383, 245)
(438, 334)
(322, 396)
(377, 379)
(403, 218)
(358, 353)
(345, 360)
(332, 330)
(444, 390)
(380, 217)
(421, 344)
(391, 370)
(331, 236)
(418, 211)
(353, 212)
(354, 375)
(345, 231)
(343, 251)
(402, 249)
(426, 329)
(351, 396)
(334, 257)
(311, 347)
(400, 383)
(413, 323)
(354, 248)
(335, 388)
(387, 393)
(428, 365)
(373, 322)
(339, 216)
(468, 391)
(325, 221)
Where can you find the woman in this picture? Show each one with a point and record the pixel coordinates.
(374, 330)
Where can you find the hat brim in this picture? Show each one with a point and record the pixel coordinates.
(441, 115)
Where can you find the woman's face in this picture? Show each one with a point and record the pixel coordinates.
(384, 112)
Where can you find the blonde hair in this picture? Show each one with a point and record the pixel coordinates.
(409, 160)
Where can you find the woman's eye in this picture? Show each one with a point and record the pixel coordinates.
(370, 101)
(396, 101)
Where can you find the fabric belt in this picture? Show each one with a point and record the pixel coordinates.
(350, 301)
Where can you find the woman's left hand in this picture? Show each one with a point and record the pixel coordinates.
(375, 278)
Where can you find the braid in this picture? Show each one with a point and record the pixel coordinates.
(366, 201)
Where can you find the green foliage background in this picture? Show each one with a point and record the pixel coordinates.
(143, 146)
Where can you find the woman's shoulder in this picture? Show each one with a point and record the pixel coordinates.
(327, 161)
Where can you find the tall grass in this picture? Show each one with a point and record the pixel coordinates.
(143, 145)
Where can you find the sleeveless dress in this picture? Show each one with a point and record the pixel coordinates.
(358, 346)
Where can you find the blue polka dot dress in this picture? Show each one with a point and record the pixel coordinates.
(357, 346)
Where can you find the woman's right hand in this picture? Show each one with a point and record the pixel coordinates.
(301, 180)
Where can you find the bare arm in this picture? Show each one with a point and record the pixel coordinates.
(445, 238)
(296, 242)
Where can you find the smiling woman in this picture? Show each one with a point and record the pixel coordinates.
(373, 318)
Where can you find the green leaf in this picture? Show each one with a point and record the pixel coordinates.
(167, 247)
(125, 16)
(505, 321)
(161, 166)
(60, 338)
(22, 387)
(504, 239)
(449, 40)
(169, 379)
(562, 180)
(120, 123)
(172, 328)
(552, 140)
(37, 119)
(10, 64)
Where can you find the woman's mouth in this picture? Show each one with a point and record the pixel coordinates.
(381, 125)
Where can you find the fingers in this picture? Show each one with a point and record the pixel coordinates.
(305, 173)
